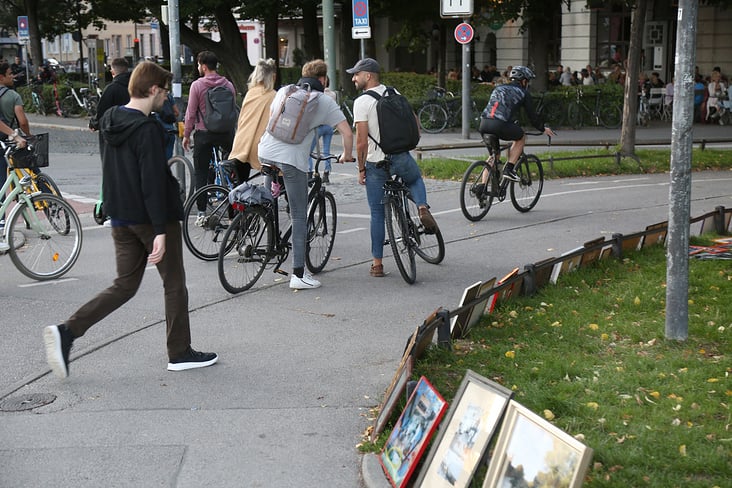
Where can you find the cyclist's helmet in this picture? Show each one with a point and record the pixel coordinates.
(521, 73)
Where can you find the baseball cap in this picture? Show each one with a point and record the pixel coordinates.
(366, 64)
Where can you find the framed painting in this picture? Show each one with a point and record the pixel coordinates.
(411, 433)
(531, 451)
(459, 324)
(493, 299)
(393, 392)
(465, 434)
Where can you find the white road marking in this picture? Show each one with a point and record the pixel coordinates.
(45, 283)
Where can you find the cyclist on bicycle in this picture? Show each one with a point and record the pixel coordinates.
(499, 116)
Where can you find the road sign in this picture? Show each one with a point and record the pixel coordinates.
(464, 33)
(360, 13)
(456, 8)
(23, 32)
(361, 32)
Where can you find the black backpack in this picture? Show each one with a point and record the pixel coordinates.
(221, 111)
(397, 123)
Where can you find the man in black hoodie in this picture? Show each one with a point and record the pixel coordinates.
(114, 94)
(141, 197)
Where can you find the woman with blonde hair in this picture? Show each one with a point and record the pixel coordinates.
(253, 117)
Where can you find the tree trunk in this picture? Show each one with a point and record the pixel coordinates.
(539, 35)
(272, 42)
(36, 52)
(232, 53)
(313, 46)
(630, 107)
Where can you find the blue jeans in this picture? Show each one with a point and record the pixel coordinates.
(326, 132)
(405, 166)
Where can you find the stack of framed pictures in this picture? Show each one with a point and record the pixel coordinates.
(529, 450)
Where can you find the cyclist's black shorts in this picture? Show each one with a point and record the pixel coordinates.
(506, 131)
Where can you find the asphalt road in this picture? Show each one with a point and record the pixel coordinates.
(299, 371)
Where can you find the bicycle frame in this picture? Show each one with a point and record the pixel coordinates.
(19, 193)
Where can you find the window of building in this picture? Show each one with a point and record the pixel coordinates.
(613, 35)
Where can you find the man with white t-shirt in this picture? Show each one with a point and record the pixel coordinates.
(369, 157)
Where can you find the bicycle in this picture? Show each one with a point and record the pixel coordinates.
(608, 116)
(202, 231)
(75, 104)
(443, 109)
(181, 167)
(43, 232)
(407, 234)
(254, 236)
(39, 104)
(550, 108)
(482, 181)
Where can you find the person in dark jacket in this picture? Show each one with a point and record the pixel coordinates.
(114, 94)
(501, 113)
(141, 196)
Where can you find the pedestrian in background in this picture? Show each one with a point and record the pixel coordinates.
(205, 140)
(324, 132)
(142, 198)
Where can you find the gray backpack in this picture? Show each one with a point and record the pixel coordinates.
(295, 116)
(222, 113)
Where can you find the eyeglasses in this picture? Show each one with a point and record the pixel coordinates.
(164, 89)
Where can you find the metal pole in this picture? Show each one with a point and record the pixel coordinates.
(174, 36)
(677, 262)
(466, 90)
(329, 42)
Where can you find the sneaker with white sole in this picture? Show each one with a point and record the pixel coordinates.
(510, 175)
(58, 341)
(192, 359)
(4, 247)
(304, 283)
(200, 219)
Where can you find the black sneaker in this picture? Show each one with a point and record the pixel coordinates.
(58, 342)
(192, 359)
(510, 174)
(326, 176)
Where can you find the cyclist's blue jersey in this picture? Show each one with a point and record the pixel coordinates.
(505, 102)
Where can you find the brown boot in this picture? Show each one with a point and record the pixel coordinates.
(377, 270)
(427, 220)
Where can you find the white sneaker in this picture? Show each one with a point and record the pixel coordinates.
(304, 283)
(200, 219)
(107, 223)
(4, 247)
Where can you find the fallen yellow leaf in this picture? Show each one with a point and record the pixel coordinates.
(593, 405)
(510, 354)
(636, 301)
(655, 395)
(682, 449)
(548, 414)
(594, 326)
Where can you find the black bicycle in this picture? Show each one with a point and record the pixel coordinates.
(407, 234)
(482, 181)
(254, 237)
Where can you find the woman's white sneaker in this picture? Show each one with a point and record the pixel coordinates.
(304, 283)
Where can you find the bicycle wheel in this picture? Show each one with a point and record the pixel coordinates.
(46, 184)
(245, 249)
(322, 221)
(525, 193)
(553, 113)
(611, 117)
(182, 170)
(476, 196)
(401, 243)
(91, 105)
(203, 236)
(45, 239)
(70, 108)
(432, 118)
(429, 246)
(39, 104)
(574, 116)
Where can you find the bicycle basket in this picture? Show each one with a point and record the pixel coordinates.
(34, 155)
